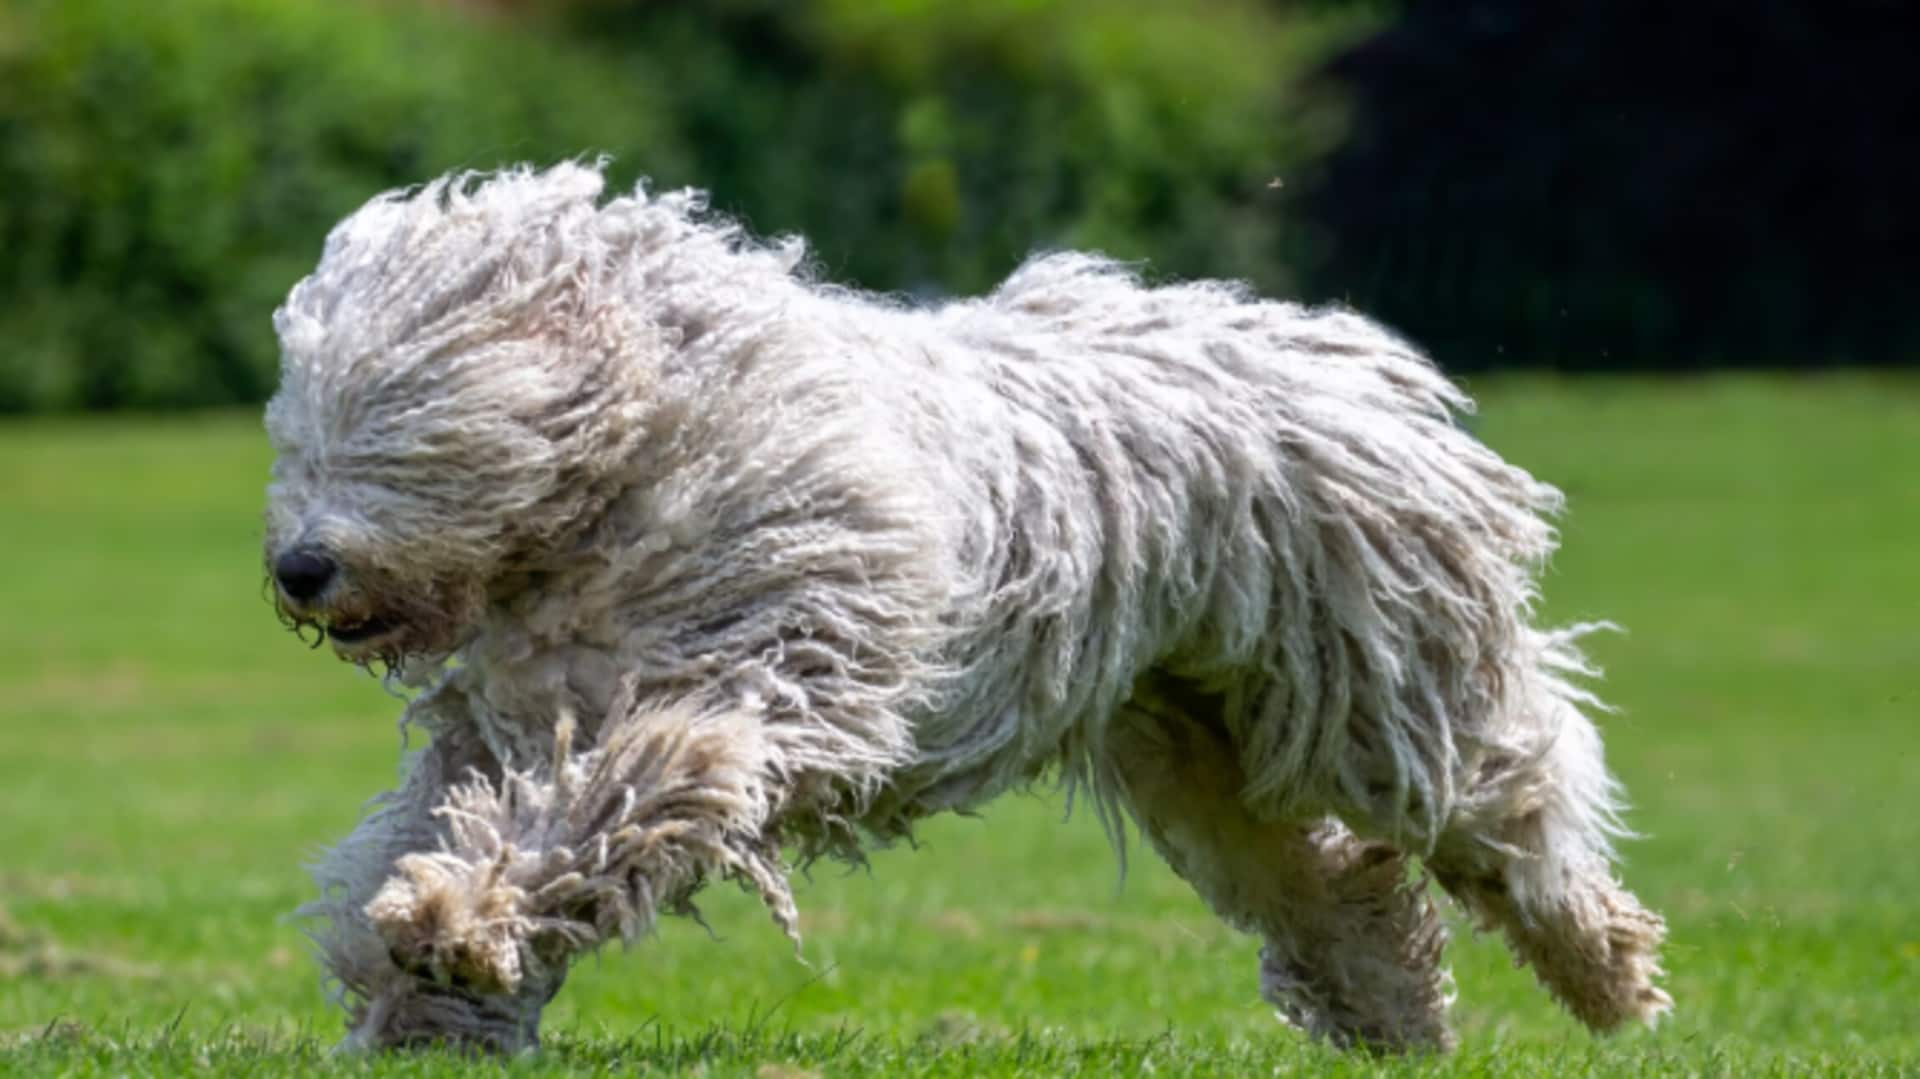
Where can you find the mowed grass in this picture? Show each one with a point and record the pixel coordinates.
(169, 757)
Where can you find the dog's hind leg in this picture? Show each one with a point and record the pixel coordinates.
(1352, 942)
(1528, 853)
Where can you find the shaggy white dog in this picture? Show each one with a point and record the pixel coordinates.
(695, 561)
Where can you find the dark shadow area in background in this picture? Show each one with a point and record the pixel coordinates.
(1632, 184)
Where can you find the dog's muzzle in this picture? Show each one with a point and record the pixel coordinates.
(313, 593)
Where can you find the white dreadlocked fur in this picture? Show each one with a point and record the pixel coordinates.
(695, 560)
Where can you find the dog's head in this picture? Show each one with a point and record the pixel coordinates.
(462, 378)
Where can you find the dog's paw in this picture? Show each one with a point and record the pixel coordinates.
(445, 934)
(419, 1014)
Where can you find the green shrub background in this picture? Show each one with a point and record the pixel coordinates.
(167, 170)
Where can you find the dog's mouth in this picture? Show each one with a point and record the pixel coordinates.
(360, 630)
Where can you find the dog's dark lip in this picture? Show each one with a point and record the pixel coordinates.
(365, 629)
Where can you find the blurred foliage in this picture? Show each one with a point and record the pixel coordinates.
(169, 169)
(929, 146)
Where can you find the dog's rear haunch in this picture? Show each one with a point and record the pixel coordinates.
(697, 564)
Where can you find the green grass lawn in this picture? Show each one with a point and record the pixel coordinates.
(169, 757)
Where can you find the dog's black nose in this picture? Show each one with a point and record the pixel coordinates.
(303, 574)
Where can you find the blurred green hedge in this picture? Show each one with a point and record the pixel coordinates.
(929, 145)
(169, 169)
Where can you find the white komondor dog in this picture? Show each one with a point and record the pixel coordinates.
(698, 564)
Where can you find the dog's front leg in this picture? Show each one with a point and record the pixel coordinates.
(390, 1003)
(544, 864)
